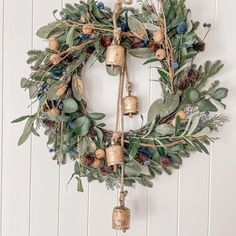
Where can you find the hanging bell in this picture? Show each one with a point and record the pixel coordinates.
(130, 106)
(115, 156)
(121, 218)
(115, 56)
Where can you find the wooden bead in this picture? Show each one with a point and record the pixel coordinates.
(161, 54)
(53, 44)
(158, 36)
(54, 112)
(100, 154)
(97, 163)
(55, 59)
(87, 29)
(182, 116)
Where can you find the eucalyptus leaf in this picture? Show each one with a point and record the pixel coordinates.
(165, 129)
(82, 125)
(20, 119)
(113, 71)
(143, 53)
(77, 87)
(70, 105)
(27, 131)
(79, 185)
(192, 95)
(206, 105)
(137, 28)
(220, 93)
(193, 126)
(45, 31)
(155, 109)
(97, 116)
(69, 37)
(151, 27)
(133, 169)
(203, 132)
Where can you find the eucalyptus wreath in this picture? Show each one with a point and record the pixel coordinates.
(179, 123)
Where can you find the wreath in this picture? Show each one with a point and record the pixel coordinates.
(179, 123)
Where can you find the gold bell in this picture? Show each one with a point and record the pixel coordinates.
(115, 56)
(130, 106)
(115, 156)
(121, 218)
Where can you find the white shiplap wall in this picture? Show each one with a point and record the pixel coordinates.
(198, 200)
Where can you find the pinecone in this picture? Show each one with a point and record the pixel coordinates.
(106, 170)
(142, 159)
(105, 41)
(199, 46)
(165, 161)
(88, 159)
(49, 124)
(192, 78)
(92, 133)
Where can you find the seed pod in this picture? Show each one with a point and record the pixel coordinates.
(161, 54)
(97, 163)
(54, 112)
(158, 36)
(53, 44)
(61, 89)
(55, 59)
(87, 29)
(100, 154)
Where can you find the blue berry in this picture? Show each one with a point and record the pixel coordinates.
(182, 27)
(70, 124)
(146, 152)
(57, 72)
(176, 66)
(51, 150)
(65, 17)
(207, 113)
(144, 44)
(84, 36)
(100, 5)
(124, 27)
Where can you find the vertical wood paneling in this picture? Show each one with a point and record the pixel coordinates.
(198, 200)
(223, 207)
(45, 176)
(15, 169)
(1, 103)
(194, 174)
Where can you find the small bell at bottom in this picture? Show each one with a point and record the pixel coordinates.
(130, 105)
(121, 218)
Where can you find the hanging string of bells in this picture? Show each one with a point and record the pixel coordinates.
(116, 58)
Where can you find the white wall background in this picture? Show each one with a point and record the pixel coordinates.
(198, 200)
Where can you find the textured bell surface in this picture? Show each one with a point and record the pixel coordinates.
(130, 105)
(115, 155)
(121, 218)
(115, 56)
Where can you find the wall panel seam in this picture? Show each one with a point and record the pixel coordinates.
(2, 83)
(31, 138)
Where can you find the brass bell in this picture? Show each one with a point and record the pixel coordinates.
(121, 218)
(115, 156)
(115, 56)
(130, 105)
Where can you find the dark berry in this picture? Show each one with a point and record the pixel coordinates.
(105, 41)
(90, 50)
(51, 150)
(146, 152)
(88, 159)
(100, 5)
(182, 27)
(142, 159)
(144, 44)
(165, 161)
(106, 170)
(154, 47)
(207, 113)
(124, 27)
(199, 46)
(84, 36)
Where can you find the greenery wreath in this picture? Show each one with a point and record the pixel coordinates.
(178, 124)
